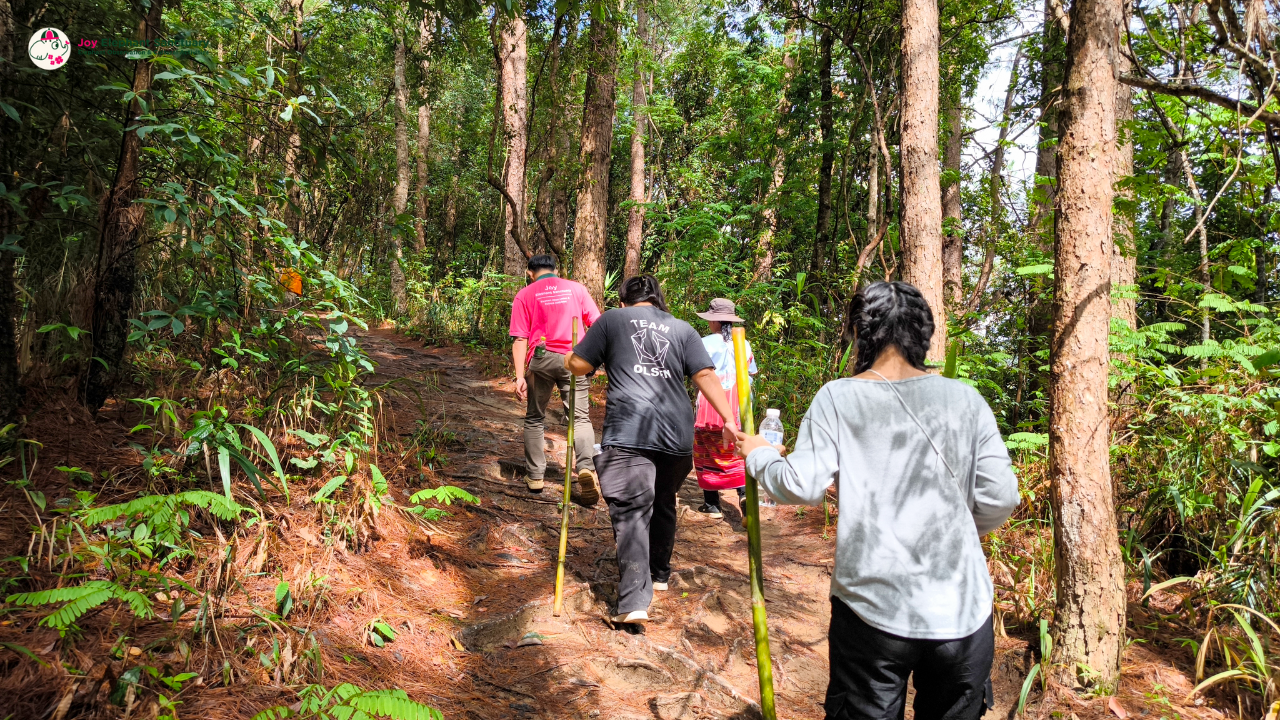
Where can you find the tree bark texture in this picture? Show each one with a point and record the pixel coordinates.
(1051, 55)
(921, 194)
(425, 35)
(1124, 258)
(120, 224)
(400, 196)
(1090, 613)
(514, 57)
(591, 227)
(826, 123)
(952, 229)
(639, 193)
(10, 378)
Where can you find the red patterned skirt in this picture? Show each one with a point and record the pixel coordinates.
(717, 467)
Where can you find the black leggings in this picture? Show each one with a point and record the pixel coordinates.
(869, 669)
(712, 497)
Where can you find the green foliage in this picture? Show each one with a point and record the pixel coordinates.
(76, 601)
(445, 495)
(349, 702)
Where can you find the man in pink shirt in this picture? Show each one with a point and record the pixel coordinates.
(541, 325)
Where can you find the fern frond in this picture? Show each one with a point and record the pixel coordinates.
(145, 505)
(274, 713)
(445, 495)
(219, 505)
(393, 704)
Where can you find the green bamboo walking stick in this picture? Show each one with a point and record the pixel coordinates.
(568, 480)
(751, 513)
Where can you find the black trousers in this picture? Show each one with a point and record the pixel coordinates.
(869, 669)
(712, 497)
(640, 487)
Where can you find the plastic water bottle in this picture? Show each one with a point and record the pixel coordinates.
(771, 428)
(773, 432)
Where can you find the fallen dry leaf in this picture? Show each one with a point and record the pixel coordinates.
(1114, 706)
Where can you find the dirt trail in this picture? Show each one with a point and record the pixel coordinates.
(469, 595)
(492, 571)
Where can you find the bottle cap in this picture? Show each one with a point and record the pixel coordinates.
(772, 412)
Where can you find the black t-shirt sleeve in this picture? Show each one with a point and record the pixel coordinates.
(695, 353)
(592, 347)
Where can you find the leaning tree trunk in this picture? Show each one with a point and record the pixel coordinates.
(1090, 611)
(400, 197)
(120, 225)
(826, 124)
(639, 196)
(513, 55)
(591, 227)
(921, 211)
(952, 230)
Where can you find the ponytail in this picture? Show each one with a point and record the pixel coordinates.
(643, 288)
(726, 331)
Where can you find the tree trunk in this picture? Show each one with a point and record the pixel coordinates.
(293, 150)
(765, 250)
(450, 223)
(10, 378)
(120, 224)
(639, 195)
(513, 55)
(921, 210)
(425, 34)
(400, 196)
(873, 192)
(826, 123)
(1124, 259)
(1051, 55)
(952, 230)
(551, 179)
(1089, 615)
(591, 227)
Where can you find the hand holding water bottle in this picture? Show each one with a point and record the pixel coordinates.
(771, 434)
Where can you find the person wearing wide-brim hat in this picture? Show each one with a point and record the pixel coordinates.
(717, 467)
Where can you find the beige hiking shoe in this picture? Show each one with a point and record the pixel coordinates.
(588, 487)
(534, 485)
(636, 617)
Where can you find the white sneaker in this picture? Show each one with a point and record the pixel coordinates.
(659, 585)
(638, 617)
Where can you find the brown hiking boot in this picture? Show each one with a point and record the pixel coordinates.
(534, 484)
(588, 487)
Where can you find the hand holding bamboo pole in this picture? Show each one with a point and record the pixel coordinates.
(751, 515)
(568, 481)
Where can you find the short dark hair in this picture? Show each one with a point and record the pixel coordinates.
(643, 288)
(542, 262)
(889, 313)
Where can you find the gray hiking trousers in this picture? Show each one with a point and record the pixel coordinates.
(545, 374)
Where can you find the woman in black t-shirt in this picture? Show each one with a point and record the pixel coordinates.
(648, 431)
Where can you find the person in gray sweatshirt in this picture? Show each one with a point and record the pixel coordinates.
(922, 474)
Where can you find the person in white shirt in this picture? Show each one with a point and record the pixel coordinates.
(922, 475)
(717, 466)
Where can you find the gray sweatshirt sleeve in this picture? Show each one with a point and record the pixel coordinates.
(803, 476)
(995, 492)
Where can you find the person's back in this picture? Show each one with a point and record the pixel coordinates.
(922, 473)
(908, 556)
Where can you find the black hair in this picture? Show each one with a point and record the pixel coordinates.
(888, 313)
(643, 288)
(726, 330)
(542, 262)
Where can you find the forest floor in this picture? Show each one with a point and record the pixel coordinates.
(470, 594)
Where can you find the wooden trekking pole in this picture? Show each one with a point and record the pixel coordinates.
(751, 515)
(568, 480)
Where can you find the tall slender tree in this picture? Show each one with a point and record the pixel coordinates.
(426, 33)
(591, 227)
(400, 193)
(826, 124)
(765, 252)
(1124, 259)
(952, 229)
(10, 388)
(921, 193)
(120, 228)
(1089, 614)
(639, 193)
(513, 60)
(1052, 47)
